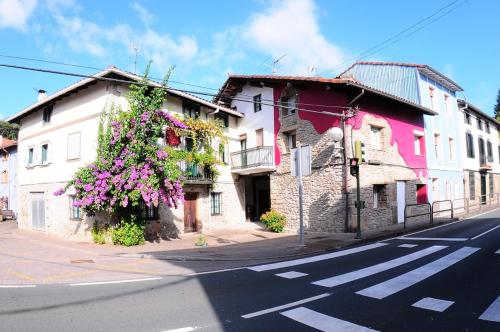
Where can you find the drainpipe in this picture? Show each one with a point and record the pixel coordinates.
(357, 97)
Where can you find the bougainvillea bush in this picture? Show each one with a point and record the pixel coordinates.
(133, 168)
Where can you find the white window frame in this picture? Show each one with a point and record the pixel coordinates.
(417, 141)
(76, 156)
(437, 145)
(33, 159)
(49, 153)
(451, 147)
(376, 137)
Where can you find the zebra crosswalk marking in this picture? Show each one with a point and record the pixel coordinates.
(492, 314)
(408, 279)
(371, 270)
(323, 322)
(312, 259)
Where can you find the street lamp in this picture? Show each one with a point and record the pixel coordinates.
(335, 133)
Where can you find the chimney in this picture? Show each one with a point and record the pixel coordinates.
(41, 94)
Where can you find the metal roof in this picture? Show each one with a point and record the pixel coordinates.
(424, 69)
(113, 70)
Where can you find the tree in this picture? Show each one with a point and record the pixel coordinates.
(497, 106)
(9, 130)
(132, 168)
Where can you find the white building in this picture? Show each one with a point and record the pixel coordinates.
(58, 134)
(481, 153)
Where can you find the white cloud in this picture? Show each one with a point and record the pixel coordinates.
(15, 13)
(146, 17)
(291, 27)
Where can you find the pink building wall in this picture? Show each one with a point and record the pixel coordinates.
(403, 121)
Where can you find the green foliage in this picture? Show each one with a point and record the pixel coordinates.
(275, 221)
(130, 232)
(201, 241)
(9, 130)
(101, 235)
(497, 107)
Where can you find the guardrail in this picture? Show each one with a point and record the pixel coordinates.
(406, 216)
(456, 206)
(434, 204)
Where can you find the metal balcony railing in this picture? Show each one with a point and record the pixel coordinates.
(254, 157)
(194, 172)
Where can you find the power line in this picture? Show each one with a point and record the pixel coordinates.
(403, 33)
(115, 80)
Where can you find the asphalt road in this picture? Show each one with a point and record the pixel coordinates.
(443, 279)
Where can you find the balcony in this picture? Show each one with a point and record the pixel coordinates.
(484, 162)
(194, 174)
(253, 161)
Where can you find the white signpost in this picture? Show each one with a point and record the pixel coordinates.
(301, 166)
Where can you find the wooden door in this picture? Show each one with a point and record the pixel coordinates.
(190, 220)
(259, 135)
(401, 200)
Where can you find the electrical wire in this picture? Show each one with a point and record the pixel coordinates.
(115, 80)
(402, 34)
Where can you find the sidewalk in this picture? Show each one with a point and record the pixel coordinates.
(35, 258)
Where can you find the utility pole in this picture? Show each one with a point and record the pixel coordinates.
(135, 48)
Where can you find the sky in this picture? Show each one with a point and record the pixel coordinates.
(206, 40)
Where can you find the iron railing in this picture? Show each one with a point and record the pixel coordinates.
(254, 157)
(413, 206)
(194, 172)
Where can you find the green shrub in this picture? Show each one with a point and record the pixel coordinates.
(130, 232)
(275, 221)
(101, 235)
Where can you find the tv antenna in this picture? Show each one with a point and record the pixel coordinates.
(135, 48)
(275, 62)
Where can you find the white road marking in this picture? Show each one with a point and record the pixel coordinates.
(430, 303)
(285, 306)
(407, 245)
(217, 271)
(492, 314)
(291, 275)
(408, 279)
(374, 269)
(323, 322)
(457, 239)
(114, 282)
(484, 233)
(300, 261)
(182, 329)
(17, 286)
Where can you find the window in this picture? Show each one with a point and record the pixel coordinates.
(491, 185)
(5, 177)
(47, 113)
(437, 145)
(45, 153)
(487, 127)
(288, 100)
(215, 206)
(472, 185)
(431, 96)
(379, 196)
(149, 212)
(482, 154)
(489, 150)
(73, 146)
(479, 124)
(292, 140)
(75, 213)
(418, 139)
(446, 103)
(469, 142)
(467, 118)
(376, 137)
(451, 147)
(257, 103)
(259, 137)
(31, 156)
(188, 144)
(224, 118)
(190, 109)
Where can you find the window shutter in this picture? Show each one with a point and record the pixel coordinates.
(49, 153)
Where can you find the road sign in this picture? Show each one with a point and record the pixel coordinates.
(305, 152)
